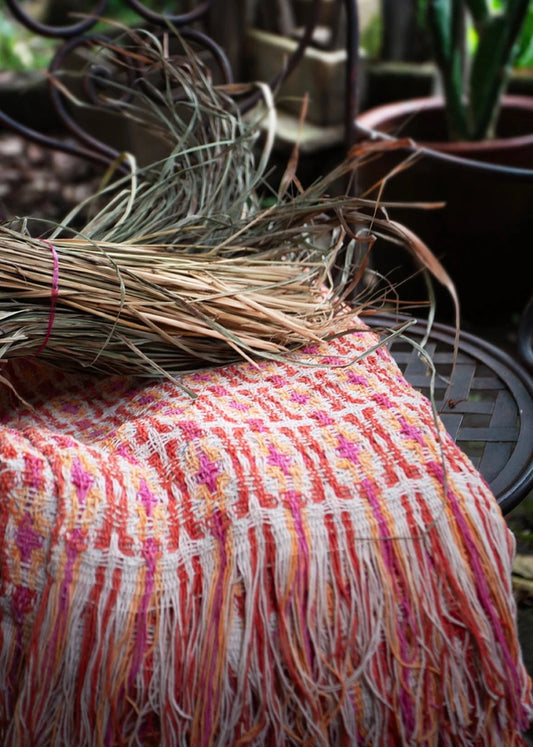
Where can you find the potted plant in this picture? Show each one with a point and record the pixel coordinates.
(487, 184)
(474, 83)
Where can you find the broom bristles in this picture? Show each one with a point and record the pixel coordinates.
(182, 267)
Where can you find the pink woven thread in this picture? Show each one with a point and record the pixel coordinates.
(53, 295)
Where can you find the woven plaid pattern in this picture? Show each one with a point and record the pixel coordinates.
(275, 562)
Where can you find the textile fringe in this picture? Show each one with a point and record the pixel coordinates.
(165, 590)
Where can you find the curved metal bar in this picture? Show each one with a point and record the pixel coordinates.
(91, 80)
(352, 71)
(94, 84)
(525, 335)
(82, 135)
(49, 142)
(205, 41)
(215, 49)
(515, 172)
(90, 147)
(162, 18)
(59, 32)
(75, 34)
(96, 72)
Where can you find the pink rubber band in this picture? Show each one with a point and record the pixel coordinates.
(53, 295)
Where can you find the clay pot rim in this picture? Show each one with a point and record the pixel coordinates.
(373, 120)
(498, 157)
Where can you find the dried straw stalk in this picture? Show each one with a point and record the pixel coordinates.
(182, 267)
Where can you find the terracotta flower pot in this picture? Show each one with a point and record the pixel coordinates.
(484, 233)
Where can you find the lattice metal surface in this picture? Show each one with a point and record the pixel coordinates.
(487, 406)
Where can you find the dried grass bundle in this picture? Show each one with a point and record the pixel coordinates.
(183, 266)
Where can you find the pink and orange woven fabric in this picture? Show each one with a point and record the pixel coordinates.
(299, 556)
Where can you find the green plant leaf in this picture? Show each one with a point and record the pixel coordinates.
(446, 24)
(479, 9)
(440, 21)
(525, 52)
(487, 80)
(491, 66)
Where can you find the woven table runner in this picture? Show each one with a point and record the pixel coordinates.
(300, 555)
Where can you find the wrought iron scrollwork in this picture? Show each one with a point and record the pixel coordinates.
(77, 36)
(81, 34)
(59, 32)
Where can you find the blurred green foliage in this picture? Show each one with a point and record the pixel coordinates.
(476, 43)
(21, 50)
